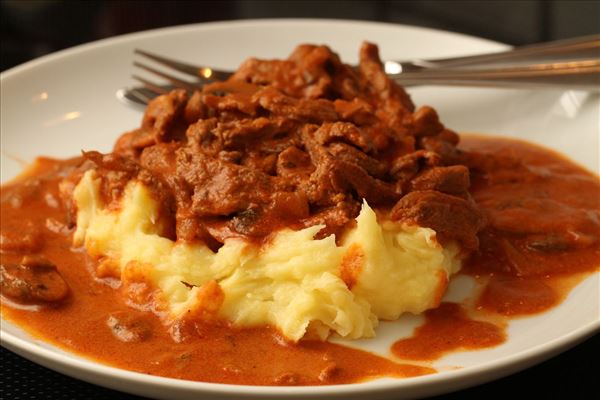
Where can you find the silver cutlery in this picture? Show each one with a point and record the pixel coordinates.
(565, 64)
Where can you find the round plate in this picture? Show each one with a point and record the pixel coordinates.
(65, 102)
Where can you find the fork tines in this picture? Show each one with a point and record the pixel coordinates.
(202, 75)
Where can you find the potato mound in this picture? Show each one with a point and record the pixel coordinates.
(304, 286)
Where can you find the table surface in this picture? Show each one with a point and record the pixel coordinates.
(570, 375)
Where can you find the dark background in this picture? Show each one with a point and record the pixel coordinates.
(34, 28)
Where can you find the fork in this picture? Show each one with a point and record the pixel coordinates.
(571, 63)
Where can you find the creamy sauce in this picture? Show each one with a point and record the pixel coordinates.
(542, 240)
(196, 350)
(448, 328)
(544, 232)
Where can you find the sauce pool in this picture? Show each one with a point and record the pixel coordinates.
(543, 233)
(448, 328)
(542, 238)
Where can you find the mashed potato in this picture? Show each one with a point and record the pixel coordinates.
(299, 284)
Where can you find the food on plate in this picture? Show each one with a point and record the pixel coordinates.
(300, 194)
(242, 225)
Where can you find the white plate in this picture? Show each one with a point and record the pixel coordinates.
(65, 102)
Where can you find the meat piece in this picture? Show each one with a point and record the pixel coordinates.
(128, 327)
(335, 218)
(245, 132)
(325, 186)
(237, 133)
(427, 122)
(344, 132)
(112, 162)
(288, 206)
(154, 170)
(442, 146)
(294, 166)
(318, 65)
(240, 103)
(130, 143)
(201, 136)
(116, 171)
(449, 136)
(357, 111)
(284, 207)
(407, 166)
(289, 143)
(344, 152)
(451, 217)
(375, 191)
(189, 228)
(160, 158)
(231, 86)
(451, 180)
(221, 188)
(232, 156)
(277, 103)
(262, 162)
(246, 222)
(309, 72)
(333, 179)
(292, 158)
(212, 136)
(264, 72)
(195, 108)
(163, 113)
(393, 102)
(163, 121)
(35, 280)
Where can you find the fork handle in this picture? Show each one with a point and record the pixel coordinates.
(582, 74)
(584, 47)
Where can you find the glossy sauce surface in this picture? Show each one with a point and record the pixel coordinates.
(543, 232)
(448, 328)
(95, 321)
(541, 240)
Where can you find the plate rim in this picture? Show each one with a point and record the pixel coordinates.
(510, 363)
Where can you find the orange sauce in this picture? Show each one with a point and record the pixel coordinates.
(448, 328)
(542, 240)
(544, 231)
(200, 351)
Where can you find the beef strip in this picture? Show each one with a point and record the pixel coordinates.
(347, 153)
(451, 180)
(453, 218)
(293, 143)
